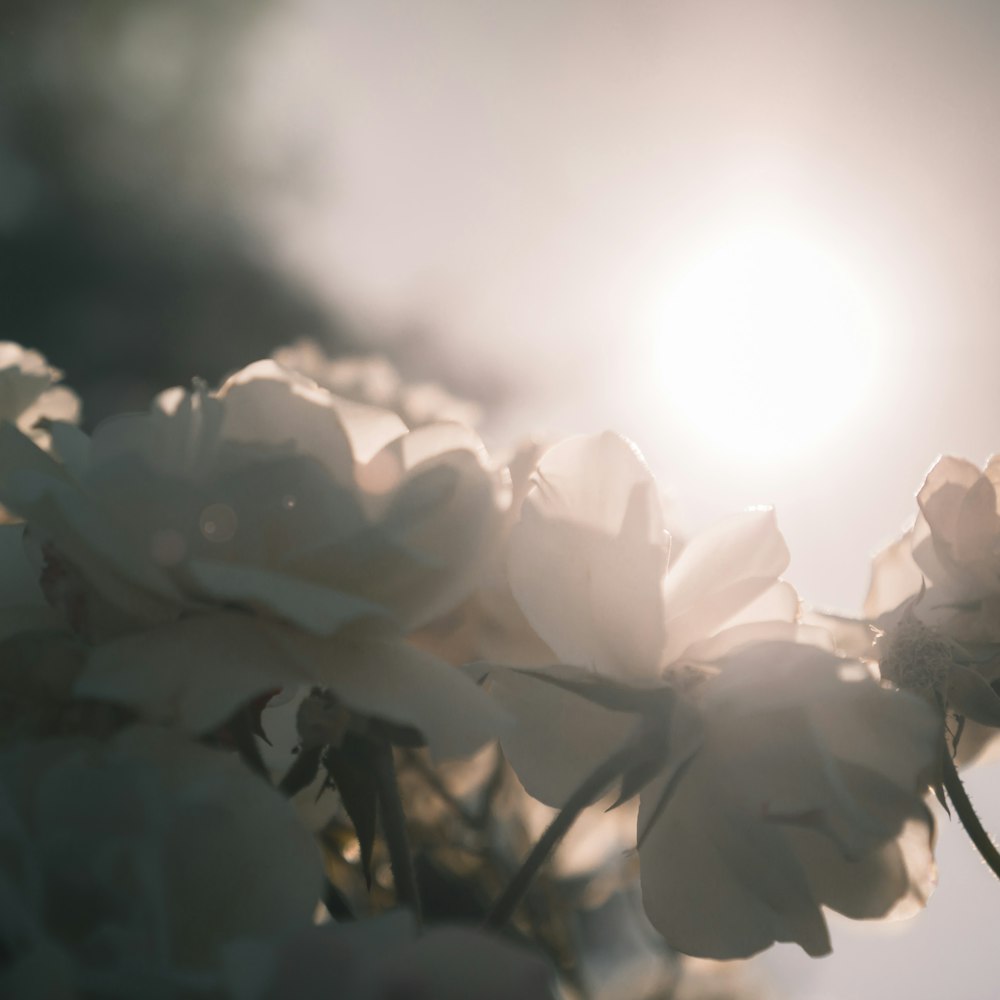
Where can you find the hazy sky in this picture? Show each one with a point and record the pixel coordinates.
(529, 181)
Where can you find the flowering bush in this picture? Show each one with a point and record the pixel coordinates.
(262, 641)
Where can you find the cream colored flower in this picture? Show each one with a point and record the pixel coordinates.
(29, 393)
(934, 599)
(227, 543)
(130, 867)
(773, 798)
(373, 380)
(30, 398)
(385, 959)
(954, 549)
(804, 793)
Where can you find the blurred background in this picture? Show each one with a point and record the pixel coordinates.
(760, 238)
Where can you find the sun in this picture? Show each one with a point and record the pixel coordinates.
(765, 343)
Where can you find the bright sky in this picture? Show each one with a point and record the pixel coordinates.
(760, 239)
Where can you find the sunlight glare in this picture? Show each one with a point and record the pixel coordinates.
(765, 344)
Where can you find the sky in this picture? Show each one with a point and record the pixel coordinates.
(558, 200)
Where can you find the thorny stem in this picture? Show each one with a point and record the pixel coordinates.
(394, 829)
(967, 814)
(590, 790)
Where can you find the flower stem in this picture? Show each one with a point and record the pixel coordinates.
(394, 829)
(967, 814)
(590, 790)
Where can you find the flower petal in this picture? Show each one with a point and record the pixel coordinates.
(586, 559)
(316, 608)
(193, 673)
(891, 883)
(717, 885)
(392, 680)
(721, 571)
(560, 737)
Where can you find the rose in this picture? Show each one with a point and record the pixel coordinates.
(759, 739)
(29, 394)
(373, 380)
(384, 959)
(267, 534)
(130, 867)
(934, 601)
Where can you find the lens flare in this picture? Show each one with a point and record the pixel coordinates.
(766, 343)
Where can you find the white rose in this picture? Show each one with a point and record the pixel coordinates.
(227, 543)
(767, 744)
(384, 958)
(372, 379)
(157, 853)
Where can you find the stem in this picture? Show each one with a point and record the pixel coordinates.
(967, 814)
(585, 795)
(394, 829)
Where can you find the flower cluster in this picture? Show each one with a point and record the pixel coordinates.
(235, 626)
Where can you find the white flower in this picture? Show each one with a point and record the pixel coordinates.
(934, 599)
(130, 867)
(29, 393)
(804, 793)
(954, 549)
(780, 799)
(30, 398)
(373, 380)
(228, 543)
(385, 959)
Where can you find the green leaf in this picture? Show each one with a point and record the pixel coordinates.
(350, 769)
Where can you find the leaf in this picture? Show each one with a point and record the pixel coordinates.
(350, 768)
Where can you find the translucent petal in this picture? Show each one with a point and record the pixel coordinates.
(716, 884)
(318, 609)
(560, 737)
(721, 571)
(586, 559)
